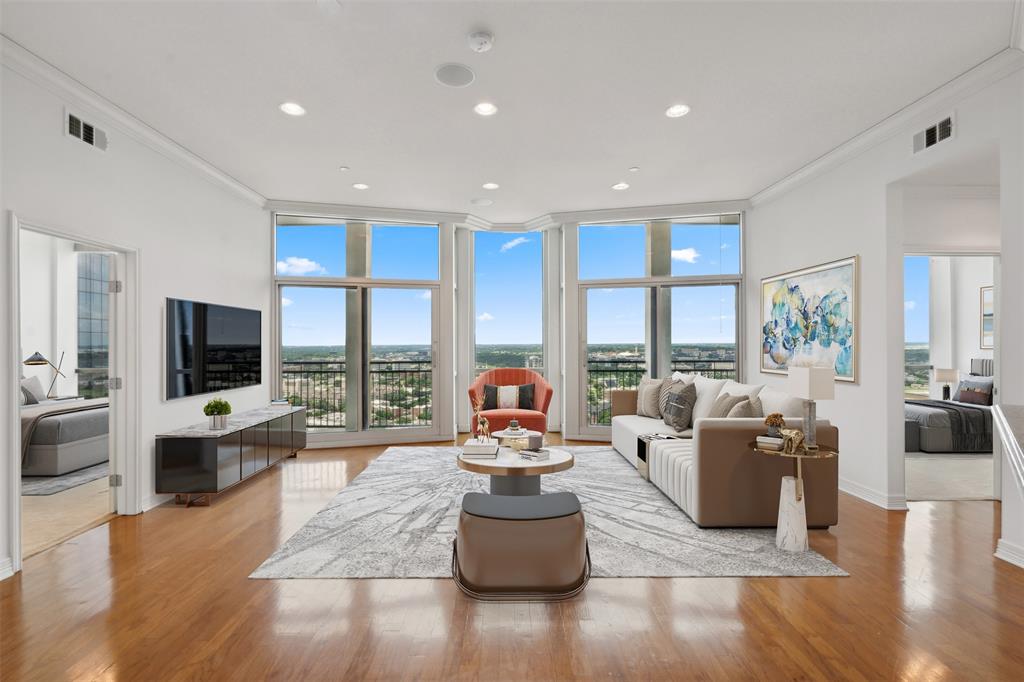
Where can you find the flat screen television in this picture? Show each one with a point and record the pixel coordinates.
(211, 348)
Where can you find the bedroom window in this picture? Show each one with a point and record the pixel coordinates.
(93, 324)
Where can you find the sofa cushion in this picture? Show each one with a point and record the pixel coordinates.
(707, 392)
(724, 403)
(774, 400)
(741, 410)
(735, 388)
(667, 384)
(647, 397)
(680, 399)
(626, 428)
(508, 397)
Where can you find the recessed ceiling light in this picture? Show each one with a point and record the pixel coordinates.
(620, 186)
(481, 202)
(293, 109)
(360, 185)
(677, 110)
(490, 185)
(485, 109)
(634, 169)
(343, 168)
(454, 75)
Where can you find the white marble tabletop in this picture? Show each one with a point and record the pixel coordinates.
(236, 422)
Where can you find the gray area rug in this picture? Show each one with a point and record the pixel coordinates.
(397, 520)
(948, 477)
(51, 485)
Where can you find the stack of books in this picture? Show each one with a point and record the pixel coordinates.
(280, 403)
(539, 455)
(769, 443)
(474, 449)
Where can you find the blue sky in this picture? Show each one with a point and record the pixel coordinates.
(915, 299)
(508, 284)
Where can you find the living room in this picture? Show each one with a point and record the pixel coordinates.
(647, 235)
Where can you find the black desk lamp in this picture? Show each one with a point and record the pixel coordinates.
(38, 359)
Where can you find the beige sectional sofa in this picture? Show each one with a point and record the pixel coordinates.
(710, 470)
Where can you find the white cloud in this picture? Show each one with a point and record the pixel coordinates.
(298, 267)
(909, 305)
(425, 295)
(687, 255)
(511, 244)
(724, 246)
(285, 301)
(485, 317)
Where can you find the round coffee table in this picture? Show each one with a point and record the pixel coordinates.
(512, 475)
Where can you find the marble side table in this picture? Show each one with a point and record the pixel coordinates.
(791, 532)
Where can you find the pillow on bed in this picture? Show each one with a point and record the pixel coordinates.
(33, 390)
(976, 390)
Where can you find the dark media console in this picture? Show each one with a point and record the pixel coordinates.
(196, 462)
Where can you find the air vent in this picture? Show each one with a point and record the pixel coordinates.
(931, 136)
(86, 132)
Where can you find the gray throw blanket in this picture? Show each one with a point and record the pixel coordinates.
(966, 423)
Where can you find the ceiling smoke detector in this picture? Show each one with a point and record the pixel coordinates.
(480, 41)
(454, 75)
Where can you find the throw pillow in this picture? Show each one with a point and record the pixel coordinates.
(33, 389)
(724, 403)
(741, 409)
(667, 384)
(647, 395)
(508, 397)
(982, 385)
(681, 396)
(756, 408)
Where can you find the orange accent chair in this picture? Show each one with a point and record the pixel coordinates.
(535, 420)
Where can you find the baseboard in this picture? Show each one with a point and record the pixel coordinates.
(1010, 552)
(875, 497)
(6, 568)
(155, 501)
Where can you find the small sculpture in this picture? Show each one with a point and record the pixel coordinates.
(792, 441)
(483, 427)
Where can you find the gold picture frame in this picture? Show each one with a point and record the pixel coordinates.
(788, 333)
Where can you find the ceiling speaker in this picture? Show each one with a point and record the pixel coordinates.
(454, 75)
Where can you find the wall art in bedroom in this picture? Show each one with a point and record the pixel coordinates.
(988, 317)
(809, 317)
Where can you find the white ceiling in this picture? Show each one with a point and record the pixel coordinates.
(581, 90)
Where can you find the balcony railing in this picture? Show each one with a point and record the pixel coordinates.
(605, 375)
(400, 392)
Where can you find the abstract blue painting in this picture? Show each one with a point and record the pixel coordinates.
(809, 317)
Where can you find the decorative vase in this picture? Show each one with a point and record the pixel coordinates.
(218, 422)
(774, 432)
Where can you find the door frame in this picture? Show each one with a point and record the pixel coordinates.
(124, 353)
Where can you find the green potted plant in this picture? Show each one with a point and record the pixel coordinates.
(217, 410)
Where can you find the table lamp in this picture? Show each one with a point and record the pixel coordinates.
(38, 359)
(811, 384)
(945, 377)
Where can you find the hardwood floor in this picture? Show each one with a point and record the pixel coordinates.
(164, 596)
(49, 519)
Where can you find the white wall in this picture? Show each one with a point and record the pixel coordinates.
(951, 219)
(854, 205)
(196, 238)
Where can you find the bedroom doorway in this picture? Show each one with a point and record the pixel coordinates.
(949, 362)
(72, 310)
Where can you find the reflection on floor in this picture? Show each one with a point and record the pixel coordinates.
(49, 519)
(948, 477)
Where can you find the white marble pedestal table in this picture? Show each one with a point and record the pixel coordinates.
(791, 530)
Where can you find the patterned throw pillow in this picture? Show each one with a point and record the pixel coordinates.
(648, 395)
(724, 403)
(976, 390)
(508, 397)
(676, 378)
(677, 409)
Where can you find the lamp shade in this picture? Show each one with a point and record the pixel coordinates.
(946, 376)
(812, 383)
(36, 359)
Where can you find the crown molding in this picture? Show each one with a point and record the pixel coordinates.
(990, 71)
(80, 97)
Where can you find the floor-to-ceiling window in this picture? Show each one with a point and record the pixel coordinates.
(916, 301)
(509, 305)
(656, 296)
(358, 321)
(93, 324)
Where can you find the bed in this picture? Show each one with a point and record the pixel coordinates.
(63, 436)
(950, 426)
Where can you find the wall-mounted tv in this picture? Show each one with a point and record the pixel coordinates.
(211, 348)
